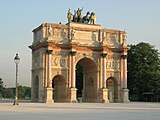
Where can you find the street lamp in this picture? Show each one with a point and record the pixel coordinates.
(16, 60)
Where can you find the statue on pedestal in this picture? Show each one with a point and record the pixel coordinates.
(50, 31)
(75, 16)
(79, 14)
(69, 16)
(78, 17)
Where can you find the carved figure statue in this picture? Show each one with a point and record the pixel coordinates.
(93, 18)
(69, 15)
(75, 16)
(50, 31)
(79, 14)
(72, 34)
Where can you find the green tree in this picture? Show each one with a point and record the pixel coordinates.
(1, 83)
(1, 87)
(8, 93)
(21, 91)
(24, 92)
(143, 70)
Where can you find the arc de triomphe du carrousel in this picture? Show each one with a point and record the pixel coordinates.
(79, 61)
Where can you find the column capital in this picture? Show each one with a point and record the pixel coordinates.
(49, 51)
(124, 56)
(73, 53)
(103, 55)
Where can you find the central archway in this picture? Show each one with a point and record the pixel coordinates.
(86, 80)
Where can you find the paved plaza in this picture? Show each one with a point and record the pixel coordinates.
(80, 111)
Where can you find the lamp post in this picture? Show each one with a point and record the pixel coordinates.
(16, 60)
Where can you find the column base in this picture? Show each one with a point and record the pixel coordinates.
(105, 95)
(73, 95)
(125, 95)
(49, 94)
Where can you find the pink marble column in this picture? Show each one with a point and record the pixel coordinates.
(124, 71)
(125, 90)
(100, 72)
(49, 80)
(45, 72)
(69, 71)
(104, 89)
(73, 90)
(73, 81)
(104, 69)
(48, 90)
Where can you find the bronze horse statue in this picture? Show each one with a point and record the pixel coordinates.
(77, 17)
(86, 18)
(92, 18)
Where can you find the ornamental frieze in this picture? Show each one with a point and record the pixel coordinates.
(52, 32)
(82, 55)
(113, 56)
(60, 53)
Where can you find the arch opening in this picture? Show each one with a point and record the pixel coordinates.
(112, 86)
(59, 89)
(86, 80)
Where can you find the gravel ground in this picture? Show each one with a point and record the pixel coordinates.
(80, 111)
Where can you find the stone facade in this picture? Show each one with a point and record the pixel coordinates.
(57, 52)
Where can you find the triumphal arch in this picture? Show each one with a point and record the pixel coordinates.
(79, 62)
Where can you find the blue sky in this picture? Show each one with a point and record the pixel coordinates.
(140, 18)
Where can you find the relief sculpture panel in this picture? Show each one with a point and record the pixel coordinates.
(59, 59)
(36, 59)
(113, 62)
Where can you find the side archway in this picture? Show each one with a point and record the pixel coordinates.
(59, 88)
(112, 86)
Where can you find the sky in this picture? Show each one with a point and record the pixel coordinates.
(140, 18)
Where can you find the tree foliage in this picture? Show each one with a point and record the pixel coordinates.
(1, 87)
(23, 92)
(1, 83)
(143, 69)
(8, 93)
